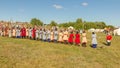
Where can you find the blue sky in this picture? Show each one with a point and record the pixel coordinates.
(61, 10)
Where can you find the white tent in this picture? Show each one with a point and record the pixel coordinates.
(117, 31)
(71, 27)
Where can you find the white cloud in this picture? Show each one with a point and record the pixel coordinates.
(84, 4)
(57, 6)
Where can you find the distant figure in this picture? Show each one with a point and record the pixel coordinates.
(23, 32)
(65, 36)
(40, 33)
(48, 35)
(108, 39)
(55, 35)
(36, 34)
(33, 33)
(10, 32)
(27, 32)
(52, 35)
(60, 39)
(13, 32)
(18, 32)
(84, 39)
(30, 33)
(77, 38)
(44, 35)
(71, 38)
(94, 40)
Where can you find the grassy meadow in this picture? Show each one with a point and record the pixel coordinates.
(25, 53)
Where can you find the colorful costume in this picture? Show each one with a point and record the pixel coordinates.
(77, 39)
(71, 37)
(108, 39)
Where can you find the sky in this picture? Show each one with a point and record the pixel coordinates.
(61, 11)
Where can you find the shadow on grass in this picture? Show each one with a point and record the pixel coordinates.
(104, 43)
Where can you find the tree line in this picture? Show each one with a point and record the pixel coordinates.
(78, 24)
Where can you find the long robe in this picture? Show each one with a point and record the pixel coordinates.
(77, 38)
(84, 39)
(60, 39)
(65, 36)
(94, 40)
(70, 39)
(33, 33)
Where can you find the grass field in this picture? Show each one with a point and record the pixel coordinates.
(25, 53)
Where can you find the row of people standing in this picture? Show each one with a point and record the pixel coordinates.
(50, 35)
(53, 35)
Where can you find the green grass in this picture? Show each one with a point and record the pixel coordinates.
(25, 53)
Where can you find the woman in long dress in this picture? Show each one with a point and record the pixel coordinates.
(94, 40)
(30, 32)
(52, 36)
(77, 38)
(33, 33)
(27, 32)
(44, 35)
(55, 35)
(13, 33)
(17, 33)
(71, 38)
(60, 39)
(37, 31)
(10, 32)
(40, 34)
(84, 39)
(65, 36)
(48, 35)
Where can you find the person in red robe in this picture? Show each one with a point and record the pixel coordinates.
(33, 33)
(108, 39)
(71, 37)
(23, 32)
(77, 38)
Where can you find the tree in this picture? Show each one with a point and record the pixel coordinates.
(35, 21)
(79, 24)
(79, 20)
(53, 23)
(100, 25)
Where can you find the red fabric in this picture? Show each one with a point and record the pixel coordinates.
(33, 33)
(23, 32)
(70, 40)
(77, 38)
(108, 37)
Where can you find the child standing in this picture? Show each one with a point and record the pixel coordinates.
(108, 39)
